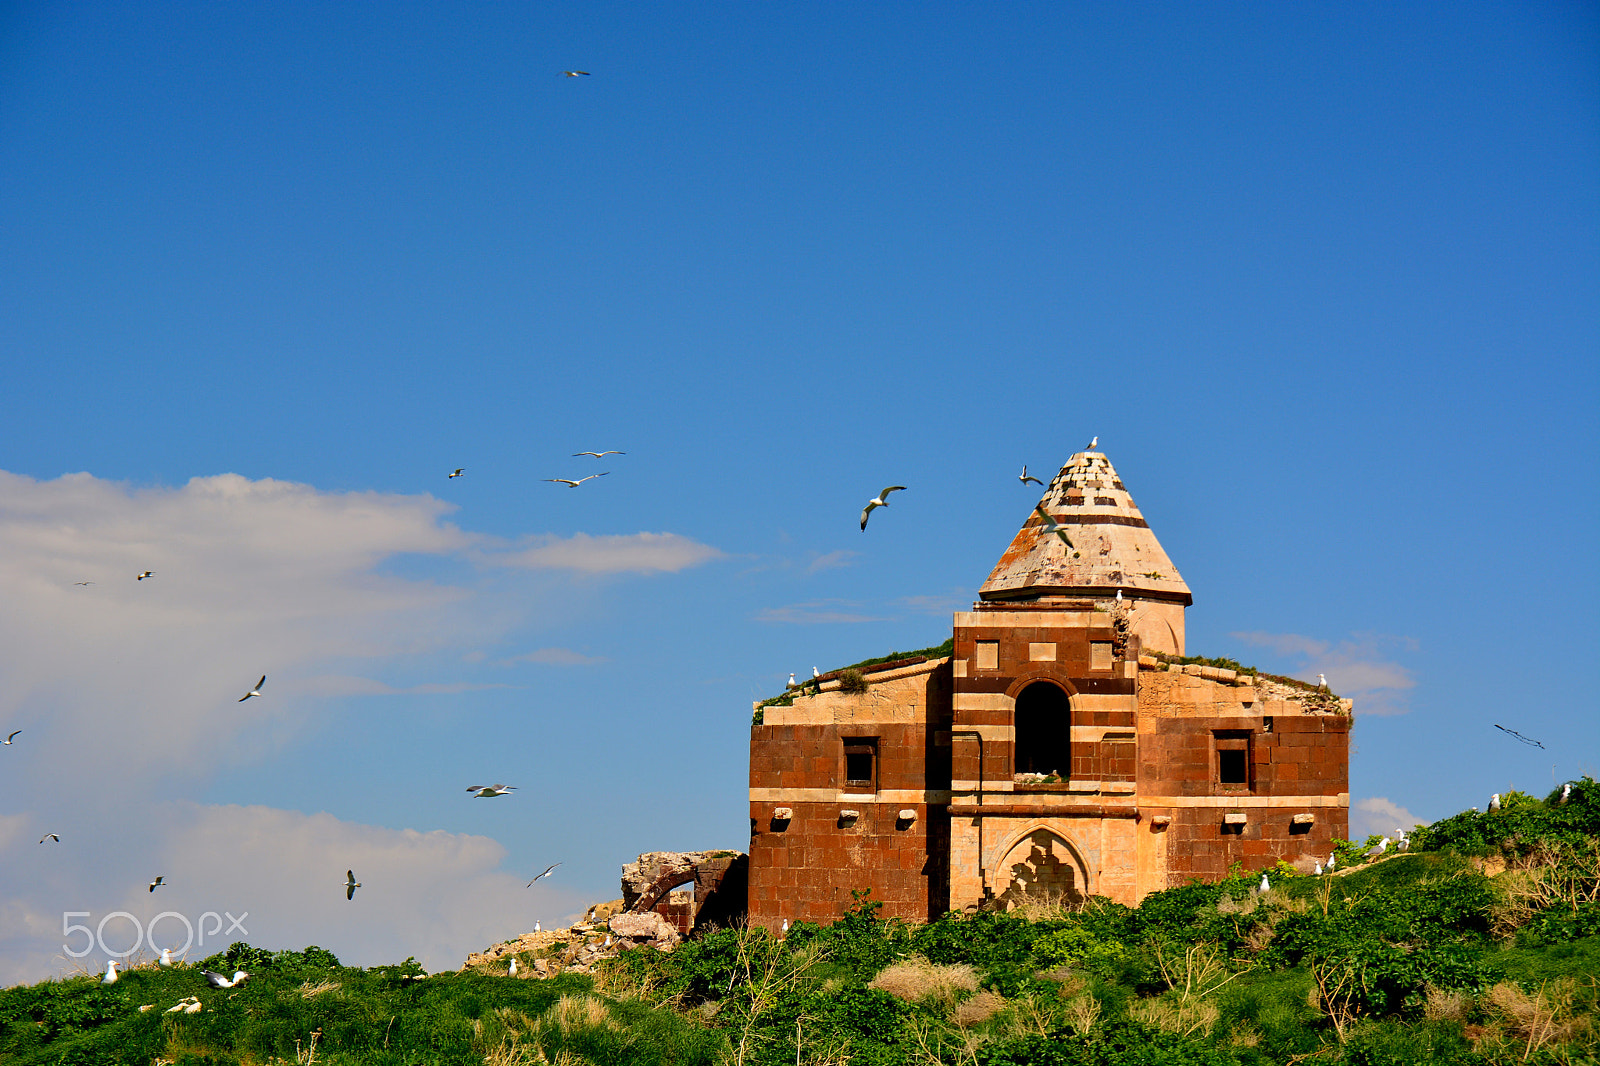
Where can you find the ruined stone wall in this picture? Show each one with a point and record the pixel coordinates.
(807, 855)
(1293, 801)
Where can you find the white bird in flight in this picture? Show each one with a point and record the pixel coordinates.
(491, 791)
(147, 573)
(49, 836)
(159, 882)
(8, 739)
(1051, 525)
(256, 691)
(1092, 445)
(459, 471)
(546, 873)
(111, 973)
(219, 981)
(576, 73)
(350, 884)
(598, 455)
(83, 582)
(574, 484)
(1025, 478)
(880, 500)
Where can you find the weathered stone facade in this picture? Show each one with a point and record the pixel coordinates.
(1046, 757)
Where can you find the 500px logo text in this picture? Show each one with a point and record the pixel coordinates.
(96, 936)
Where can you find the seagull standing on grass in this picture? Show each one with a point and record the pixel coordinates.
(547, 872)
(350, 884)
(1377, 850)
(1025, 478)
(219, 981)
(1332, 861)
(1319, 867)
(159, 882)
(880, 500)
(111, 973)
(511, 971)
(574, 484)
(1566, 789)
(256, 691)
(1266, 886)
(1494, 802)
(13, 737)
(1322, 681)
(1051, 525)
(1403, 842)
(166, 959)
(491, 791)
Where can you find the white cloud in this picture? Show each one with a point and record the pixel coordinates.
(816, 612)
(831, 560)
(1377, 815)
(434, 895)
(1357, 668)
(639, 553)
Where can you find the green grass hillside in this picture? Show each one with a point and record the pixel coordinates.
(1481, 945)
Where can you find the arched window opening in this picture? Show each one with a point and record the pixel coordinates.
(1044, 731)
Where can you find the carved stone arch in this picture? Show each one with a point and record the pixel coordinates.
(1025, 680)
(1039, 862)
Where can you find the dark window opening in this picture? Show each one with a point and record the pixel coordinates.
(1233, 758)
(1232, 768)
(1044, 731)
(860, 765)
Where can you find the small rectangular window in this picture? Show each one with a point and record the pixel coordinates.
(1233, 758)
(861, 764)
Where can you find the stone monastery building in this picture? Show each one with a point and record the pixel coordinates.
(1056, 752)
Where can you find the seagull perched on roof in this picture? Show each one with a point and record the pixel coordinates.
(350, 884)
(880, 500)
(1494, 802)
(219, 981)
(256, 691)
(576, 73)
(1092, 445)
(111, 973)
(159, 882)
(547, 871)
(1024, 478)
(49, 836)
(598, 455)
(1051, 525)
(10, 738)
(491, 791)
(574, 484)
(147, 573)
(458, 472)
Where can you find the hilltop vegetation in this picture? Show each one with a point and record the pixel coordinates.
(1480, 946)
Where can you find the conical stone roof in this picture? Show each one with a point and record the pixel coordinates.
(1112, 546)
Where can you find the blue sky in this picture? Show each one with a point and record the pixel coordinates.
(1324, 280)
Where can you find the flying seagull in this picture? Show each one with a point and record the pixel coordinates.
(1519, 736)
(1092, 445)
(574, 484)
(459, 471)
(159, 882)
(1051, 525)
(8, 739)
(491, 791)
(350, 884)
(1025, 478)
(546, 873)
(598, 455)
(880, 500)
(219, 981)
(576, 73)
(147, 573)
(255, 691)
(111, 973)
(83, 582)
(49, 836)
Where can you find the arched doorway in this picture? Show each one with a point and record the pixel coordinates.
(1040, 867)
(1043, 720)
